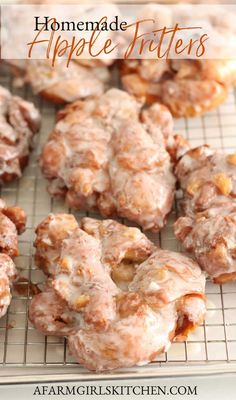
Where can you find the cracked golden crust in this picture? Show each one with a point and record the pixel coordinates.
(113, 319)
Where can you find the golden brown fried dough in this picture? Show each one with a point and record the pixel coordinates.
(108, 155)
(19, 121)
(12, 221)
(208, 179)
(119, 300)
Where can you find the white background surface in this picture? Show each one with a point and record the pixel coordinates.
(217, 387)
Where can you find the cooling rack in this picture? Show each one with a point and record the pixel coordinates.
(28, 356)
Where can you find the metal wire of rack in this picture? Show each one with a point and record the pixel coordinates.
(25, 352)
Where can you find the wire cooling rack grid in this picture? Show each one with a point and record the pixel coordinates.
(23, 349)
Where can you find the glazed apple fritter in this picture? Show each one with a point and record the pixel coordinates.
(109, 155)
(118, 299)
(61, 84)
(12, 223)
(19, 121)
(187, 87)
(208, 179)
